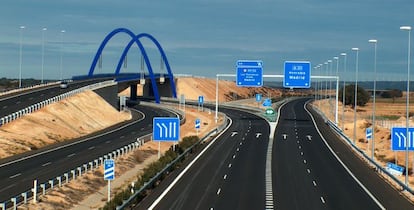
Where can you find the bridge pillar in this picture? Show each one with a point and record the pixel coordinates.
(133, 94)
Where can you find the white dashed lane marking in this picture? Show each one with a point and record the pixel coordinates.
(14, 176)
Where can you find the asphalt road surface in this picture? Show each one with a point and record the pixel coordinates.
(228, 176)
(20, 100)
(17, 173)
(308, 171)
(309, 174)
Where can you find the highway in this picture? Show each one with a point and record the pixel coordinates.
(309, 174)
(308, 171)
(20, 100)
(17, 174)
(230, 175)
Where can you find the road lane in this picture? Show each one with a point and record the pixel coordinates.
(53, 162)
(308, 174)
(229, 175)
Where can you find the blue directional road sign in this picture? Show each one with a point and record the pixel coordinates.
(166, 129)
(267, 102)
(197, 123)
(368, 133)
(200, 100)
(258, 97)
(395, 169)
(249, 73)
(297, 74)
(109, 169)
(399, 139)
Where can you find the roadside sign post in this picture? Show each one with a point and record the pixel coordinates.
(399, 139)
(109, 174)
(368, 135)
(258, 99)
(165, 129)
(201, 103)
(197, 125)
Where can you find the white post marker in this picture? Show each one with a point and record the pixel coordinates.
(35, 191)
(109, 174)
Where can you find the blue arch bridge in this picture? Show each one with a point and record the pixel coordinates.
(155, 85)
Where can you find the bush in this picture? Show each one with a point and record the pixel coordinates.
(362, 95)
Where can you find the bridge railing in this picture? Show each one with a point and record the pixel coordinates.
(18, 114)
(379, 168)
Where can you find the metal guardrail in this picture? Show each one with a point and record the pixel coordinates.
(72, 174)
(378, 167)
(16, 115)
(28, 88)
(167, 168)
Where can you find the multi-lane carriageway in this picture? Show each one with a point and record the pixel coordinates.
(245, 169)
(310, 168)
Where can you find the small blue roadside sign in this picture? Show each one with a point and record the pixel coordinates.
(197, 123)
(249, 73)
(258, 97)
(368, 133)
(109, 169)
(399, 139)
(395, 169)
(201, 100)
(297, 74)
(166, 129)
(267, 102)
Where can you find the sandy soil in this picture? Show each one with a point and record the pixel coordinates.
(70, 118)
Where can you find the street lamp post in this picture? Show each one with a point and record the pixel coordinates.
(355, 92)
(336, 90)
(43, 53)
(20, 56)
(61, 54)
(343, 93)
(374, 41)
(407, 28)
(326, 81)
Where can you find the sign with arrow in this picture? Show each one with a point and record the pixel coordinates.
(399, 139)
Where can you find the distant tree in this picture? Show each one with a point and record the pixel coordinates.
(362, 95)
(394, 93)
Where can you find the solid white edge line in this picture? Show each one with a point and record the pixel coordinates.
(186, 169)
(342, 163)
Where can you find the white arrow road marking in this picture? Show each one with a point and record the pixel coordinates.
(233, 133)
(258, 135)
(309, 137)
(160, 129)
(284, 136)
(165, 128)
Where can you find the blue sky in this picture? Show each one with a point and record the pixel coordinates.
(206, 37)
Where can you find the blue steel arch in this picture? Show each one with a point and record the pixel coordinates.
(161, 51)
(135, 39)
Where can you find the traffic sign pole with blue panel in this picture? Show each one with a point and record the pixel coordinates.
(109, 169)
(258, 97)
(297, 74)
(249, 73)
(399, 139)
(166, 129)
(368, 133)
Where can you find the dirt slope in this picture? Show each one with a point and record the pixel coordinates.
(73, 117)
